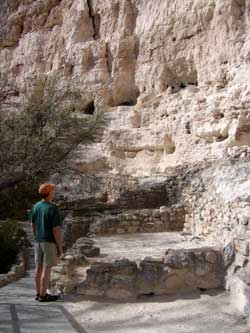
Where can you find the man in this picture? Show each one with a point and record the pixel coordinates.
(46, 226)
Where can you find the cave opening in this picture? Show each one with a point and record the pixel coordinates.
(90, 108)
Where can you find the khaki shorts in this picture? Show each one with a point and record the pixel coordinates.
(45, 254)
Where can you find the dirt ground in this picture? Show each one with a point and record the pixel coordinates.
(198, 312)
(138, 246)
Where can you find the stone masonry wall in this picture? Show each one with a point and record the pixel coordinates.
(179, 270)
(145, 220)
(217, 207)
(17, 271)
(129, 221)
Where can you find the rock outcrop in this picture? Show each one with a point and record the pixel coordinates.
(174, 75)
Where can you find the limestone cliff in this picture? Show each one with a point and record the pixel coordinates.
(172, 74)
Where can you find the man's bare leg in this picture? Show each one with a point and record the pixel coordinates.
(45, 280)
(38, 275)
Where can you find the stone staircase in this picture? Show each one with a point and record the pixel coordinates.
(129, 233)
(123, 222)
(134, 265)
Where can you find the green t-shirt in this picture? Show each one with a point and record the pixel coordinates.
(45, 216)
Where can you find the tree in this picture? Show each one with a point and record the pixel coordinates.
(38, 134)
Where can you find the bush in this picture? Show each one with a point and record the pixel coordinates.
(13, 240)
(14, 202)
(39, 130)
(38, 135)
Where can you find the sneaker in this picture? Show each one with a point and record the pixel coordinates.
(48, 298)
(37, 297)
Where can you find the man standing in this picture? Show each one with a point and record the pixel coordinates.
(46, 226)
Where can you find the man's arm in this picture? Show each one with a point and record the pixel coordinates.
(58, 237)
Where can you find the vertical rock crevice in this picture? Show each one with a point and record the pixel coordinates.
(125, 91)
(96, 20)
(109, 58)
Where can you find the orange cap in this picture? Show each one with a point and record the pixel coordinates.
(46, 188)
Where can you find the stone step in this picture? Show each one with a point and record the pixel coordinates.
(178, 270)
(134, 265)
(126, 222)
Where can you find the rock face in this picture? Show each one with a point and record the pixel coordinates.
(193, 103)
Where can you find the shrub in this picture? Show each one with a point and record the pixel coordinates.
(38, 135)
(13, 240)
(14, 202)
(39, 130)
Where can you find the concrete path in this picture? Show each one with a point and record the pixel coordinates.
(21, 313)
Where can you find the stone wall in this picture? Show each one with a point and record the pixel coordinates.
(218, 208)
(215, 203)
(17, 271)
(211, 201)
(179, 270)
(217, 200)
(128, 221)
(124, 205)
(144, 220)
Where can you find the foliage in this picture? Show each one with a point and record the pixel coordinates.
(38, 135)
(16, 200)
(12, 241)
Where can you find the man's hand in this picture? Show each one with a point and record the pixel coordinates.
(58, 238)
(33, 228)
(59, 251)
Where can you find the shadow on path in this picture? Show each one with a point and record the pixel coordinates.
(19, 312)
(18, 318)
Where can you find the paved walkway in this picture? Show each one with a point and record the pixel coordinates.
(21, 313)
